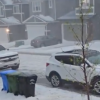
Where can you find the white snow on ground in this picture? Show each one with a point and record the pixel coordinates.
(45, 93)
(55, 48)
(36, 64)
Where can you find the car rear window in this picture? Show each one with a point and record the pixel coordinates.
(39, 38)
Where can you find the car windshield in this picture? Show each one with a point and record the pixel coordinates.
(2, 48)
(94, 58)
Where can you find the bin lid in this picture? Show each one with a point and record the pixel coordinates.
(27, 74)
(7, 71)
(14, 74)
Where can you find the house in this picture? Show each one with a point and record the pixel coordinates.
(44, 15)
(91, 23)
(21, 9)
(11, 28)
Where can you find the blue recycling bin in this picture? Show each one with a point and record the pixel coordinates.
(5, 80)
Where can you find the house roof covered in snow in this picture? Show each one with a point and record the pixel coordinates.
(21, 1)
(11, 2)
(7, 2)
(10, 21)
(41, 18)
(72, 15)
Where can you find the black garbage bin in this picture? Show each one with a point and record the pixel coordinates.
(26, 84)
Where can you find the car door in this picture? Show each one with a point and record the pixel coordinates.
(65, 63)
(68, 61)
(77, 70)
(47, 41)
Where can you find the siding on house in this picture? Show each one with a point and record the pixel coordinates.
(8, 10)
(44, 8)
(24, 12)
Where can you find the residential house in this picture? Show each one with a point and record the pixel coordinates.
(11, 28)
(91, 22)
(44, 15)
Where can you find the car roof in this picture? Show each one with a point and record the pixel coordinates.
(87, 52)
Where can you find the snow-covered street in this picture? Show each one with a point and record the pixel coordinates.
(37, 64)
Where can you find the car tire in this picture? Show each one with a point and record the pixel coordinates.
(55, 80)
(96, 86)
(15, 67)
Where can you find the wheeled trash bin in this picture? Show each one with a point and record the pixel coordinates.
(13, 82)
(26, 83)
(3, 75)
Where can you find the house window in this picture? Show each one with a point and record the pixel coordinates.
(84, 3)
(16, 9)
(1, 11)
(50, 3)
(36, 6)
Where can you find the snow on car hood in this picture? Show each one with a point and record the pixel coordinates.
(7, 53)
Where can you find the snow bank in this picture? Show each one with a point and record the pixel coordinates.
(45, 93)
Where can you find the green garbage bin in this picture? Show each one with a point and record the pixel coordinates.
(13, 82)
(19, 43)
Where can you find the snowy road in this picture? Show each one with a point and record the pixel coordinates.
(34, 63)
(44, 91)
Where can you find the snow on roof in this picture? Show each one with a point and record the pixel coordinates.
(8, 2)
(10, 20)
(46, 18)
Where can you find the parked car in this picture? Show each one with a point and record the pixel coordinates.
(8, 59)
(67, 67)
(41, 41)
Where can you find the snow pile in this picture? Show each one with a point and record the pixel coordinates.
(46, 18)
(45, 93)
(35, 64)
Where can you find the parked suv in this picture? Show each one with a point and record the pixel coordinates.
(68, 67)
(41, 41)
(8, 59)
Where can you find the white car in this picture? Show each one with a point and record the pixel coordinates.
(8, 59)
(68, 67)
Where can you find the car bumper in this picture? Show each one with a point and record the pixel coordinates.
(9, 64)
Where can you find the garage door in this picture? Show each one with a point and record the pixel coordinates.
(71, 31)
(3, 36)
(35, 30)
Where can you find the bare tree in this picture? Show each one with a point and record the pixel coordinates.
(82, 41)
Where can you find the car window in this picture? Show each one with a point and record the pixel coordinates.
(39, 38)
(2, 48)
(65, 59)
(78, 60)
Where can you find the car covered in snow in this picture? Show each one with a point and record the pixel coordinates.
(42, 41)
(69, 66)
(8, 59)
